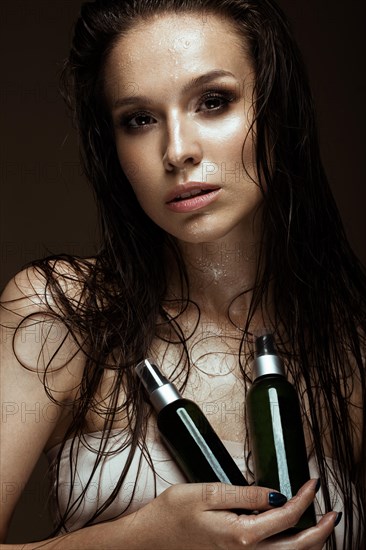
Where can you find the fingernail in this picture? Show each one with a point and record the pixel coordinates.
(276, 499)
(338, 518)
(317, 486)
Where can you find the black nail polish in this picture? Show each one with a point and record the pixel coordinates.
(276, 499)
(338, 518)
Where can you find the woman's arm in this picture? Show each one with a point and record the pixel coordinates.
(196, 517)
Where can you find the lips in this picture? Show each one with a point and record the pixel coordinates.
(191, 196)
(186, 191)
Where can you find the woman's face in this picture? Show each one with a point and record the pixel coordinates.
(179, 88)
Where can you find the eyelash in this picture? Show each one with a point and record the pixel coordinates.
(225, 97)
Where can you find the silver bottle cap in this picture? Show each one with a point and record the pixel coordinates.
(161, 392)
(266, 361)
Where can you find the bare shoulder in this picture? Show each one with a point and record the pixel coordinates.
(35, 330)
(24, 292)
(32, 289)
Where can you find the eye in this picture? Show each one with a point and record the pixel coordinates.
(138, 121)
(214, 101)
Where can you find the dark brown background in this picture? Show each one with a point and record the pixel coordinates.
(45, 202)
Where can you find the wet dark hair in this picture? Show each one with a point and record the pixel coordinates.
(307, 268)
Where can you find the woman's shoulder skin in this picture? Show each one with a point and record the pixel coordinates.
(37, 351)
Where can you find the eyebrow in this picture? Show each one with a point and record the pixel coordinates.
(194, 83)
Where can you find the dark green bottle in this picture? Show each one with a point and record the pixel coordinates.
(187, 433)
(276, 430)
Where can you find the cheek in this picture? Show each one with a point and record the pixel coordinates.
(242, 147)
(228, 137)
(233, 151)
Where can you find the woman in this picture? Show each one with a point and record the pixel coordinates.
(197, 133)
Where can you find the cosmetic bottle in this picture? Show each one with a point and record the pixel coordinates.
(186, 431)
(275, 429)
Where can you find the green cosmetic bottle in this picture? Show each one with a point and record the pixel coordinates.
(276, 430)
(187, 433)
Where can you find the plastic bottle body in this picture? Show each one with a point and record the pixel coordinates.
(195, 445)
(277, 440)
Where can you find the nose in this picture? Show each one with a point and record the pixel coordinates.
(182, 145)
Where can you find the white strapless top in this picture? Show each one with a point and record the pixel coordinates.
(140, 478)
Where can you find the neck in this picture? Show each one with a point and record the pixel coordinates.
(221, 274)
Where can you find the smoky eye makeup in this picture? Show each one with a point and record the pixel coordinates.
(137, 120)
(216, 99)
(210, 100)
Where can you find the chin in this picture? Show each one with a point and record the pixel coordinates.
(198, 235)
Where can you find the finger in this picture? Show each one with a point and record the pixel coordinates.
(272, 522)
(313, 538)
(220, 496)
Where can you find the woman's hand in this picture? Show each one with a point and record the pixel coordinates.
(198, 516)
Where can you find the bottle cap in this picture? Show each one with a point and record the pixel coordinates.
(266, 361)
(150, 375)
(264, 345)
(161, 392)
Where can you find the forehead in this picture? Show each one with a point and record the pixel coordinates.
(174, 47)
